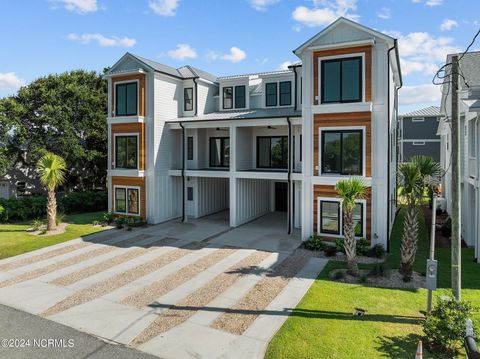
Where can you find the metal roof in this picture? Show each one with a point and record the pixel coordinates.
(432, 111)
(469, 67)
(239, 115)
(279, 72)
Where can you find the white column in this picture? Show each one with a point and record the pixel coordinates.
(233, 179)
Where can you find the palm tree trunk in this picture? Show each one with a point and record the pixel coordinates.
(51, 210)
(408, 248)
(350, 244)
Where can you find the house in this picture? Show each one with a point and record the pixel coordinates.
(468, 108)
(185, 144)
(418, 134)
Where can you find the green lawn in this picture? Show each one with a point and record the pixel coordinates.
(322, 325)
(15, 240)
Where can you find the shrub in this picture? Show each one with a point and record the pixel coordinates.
(119, 222)
(363, 247)
(37, 225)
(363, 279)
(447, 228)
(377, 251)
(340, 245)
(95, 222)
(77, 202)
(315, 243)
(378, 270)
(59, 218)
(108, 217)
(3, 214)
(330, 251)
(25, 208)
(339, 275)
(444, 327)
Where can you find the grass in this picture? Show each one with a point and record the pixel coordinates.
(14, 239)
(322, 325)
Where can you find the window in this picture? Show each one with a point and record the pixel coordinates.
(189, 148)
(188, 99)
(330, 217)
(271, 94)
(272, 152)
(126, 152)
(120, 200)
(133, 201)
(127, 200)
(126, 99)
(342, 80)
(472, 139)
(21, 188)
(358, 220)
(189, 193)
(227, 97)
(219, 152)
(285, 93)
(240, 96)
(342, 152)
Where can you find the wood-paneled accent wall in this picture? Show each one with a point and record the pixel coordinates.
(139, 128)
(141, 91)
(367, 50)
(329, 191)
(131, 181)
(344, 119)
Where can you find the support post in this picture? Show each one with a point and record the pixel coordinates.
(432, 248)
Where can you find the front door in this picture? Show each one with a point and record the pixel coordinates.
(281, 194)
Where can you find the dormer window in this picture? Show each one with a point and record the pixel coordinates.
(271, 94)
(285, 93)
(240, 96)
(126, 99)
(278, 94)
(234, 97)
(227, 98)
(341, 80)
(188, 99)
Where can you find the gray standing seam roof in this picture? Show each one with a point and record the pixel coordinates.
(239, 115)
(469, 67)
(432, 111)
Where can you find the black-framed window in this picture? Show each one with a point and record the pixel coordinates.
(240, 96)
(272, 152)
(189, 193)
(219, 151)
(271, 94)
(228, 97)
(188, 99)
(342, 80)
(126, 152)
(126, 99)
(127, 200)
(190, 148)
(121, 200)
(358, 220)
(285, 93)
(342, 152)
(300, 148)
(330, 217)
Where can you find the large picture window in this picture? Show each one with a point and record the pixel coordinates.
(271, 94)
(219, 152)
(272, 152)
(331, 218)
(240, 96)
(228, 97)
(341, 80)
(126, 148)
(188, 99)
(342, 152)
(127, 200)
(126, 102)
(285, 93)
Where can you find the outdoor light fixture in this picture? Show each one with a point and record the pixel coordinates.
(271, 128)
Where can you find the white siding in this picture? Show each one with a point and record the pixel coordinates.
(206, 102)
(245, 142)
(253, 199)
(213, 195)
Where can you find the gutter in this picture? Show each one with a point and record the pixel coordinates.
(289, 178)
(184, 217)
(294, 68)
(229, 119)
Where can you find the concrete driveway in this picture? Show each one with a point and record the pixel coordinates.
(175, 290)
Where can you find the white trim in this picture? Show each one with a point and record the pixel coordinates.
(343, 45)
(277, 81)
(418, 119)
(126, 119)
(418, 143)
(121, 134)
(123, 73)
(343, 107)
(126, 173)
(126, 213)
(420, 139)
(114, 110)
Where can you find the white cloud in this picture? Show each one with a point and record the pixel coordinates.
(284, 65)
(103, 40)
(235, 55)
(261, 5)
(10, 81)
(164, 7)
(448, 24)
(425, 68)
(78, 6)
(384, 13)
(182, 51)
(427, 93)
(325, 12)
(421, 46)
(430, 3)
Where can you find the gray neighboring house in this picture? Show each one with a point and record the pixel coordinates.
(418, 134)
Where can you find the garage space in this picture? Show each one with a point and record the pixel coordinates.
(253, 199)
(206, 195)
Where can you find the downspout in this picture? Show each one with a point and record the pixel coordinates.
(296, 88)
(196, 94)
(289, 177)
(183, 172)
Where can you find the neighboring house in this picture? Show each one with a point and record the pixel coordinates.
(469, 108)
(20, 181)
(418, 134)
(184, 143)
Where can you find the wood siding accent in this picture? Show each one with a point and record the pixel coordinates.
(344, 119)
(139, 128)
(131, 181)
(141, 91)
(367, 50)
(331, 192)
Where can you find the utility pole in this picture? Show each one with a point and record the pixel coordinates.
(456, 226)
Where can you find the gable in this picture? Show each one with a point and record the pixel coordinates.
(128, 63)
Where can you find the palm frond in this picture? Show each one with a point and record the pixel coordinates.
(350, 190)
(51, 168)
(428, 166)
(411, 182)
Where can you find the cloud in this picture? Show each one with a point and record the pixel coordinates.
(78, 6)
(10, 81)
(409, 67)
(261, 5)
(182, 51)
(325, 12)
(448, 24)
(164, 7)
(427, 93)
(384, 13)
(284, 65)
(421, 46)
(430, 3)
(235, 55)
(103, 41)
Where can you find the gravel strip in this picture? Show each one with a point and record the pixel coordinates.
(108, 263)
(119, 280)
(246, 310)
(151, 292)
(188, 306)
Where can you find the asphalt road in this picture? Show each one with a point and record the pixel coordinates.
(43, 339)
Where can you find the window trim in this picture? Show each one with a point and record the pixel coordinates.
(280, 93)
(342, 129)
(270, 160)
(115, 97)
(418, 119)
(126, 213)
(185, 89)
(276, 94)
(418, 143)
(129, 134)
(339, 213)
(190, 154)
(360, 85)
(244, 96)
(223, 97)
(222, 144)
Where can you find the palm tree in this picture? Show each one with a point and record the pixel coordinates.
(52, 174)
(350, 190)
(430, 171)
(411, 189)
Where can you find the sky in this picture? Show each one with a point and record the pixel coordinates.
(224, 37)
